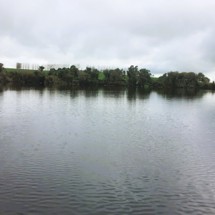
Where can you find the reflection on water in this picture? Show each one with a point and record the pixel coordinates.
(106, 151)
(116, 92)
(182, 93)
(133, 94)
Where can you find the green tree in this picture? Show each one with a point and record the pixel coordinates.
(75, 71)
(144, 77)
(116, 75)
(132, 75)
(83, 78)
(202, 80)
(107, 75)
(41, 68)
(93, 73)
(1, 67)
(179, 80)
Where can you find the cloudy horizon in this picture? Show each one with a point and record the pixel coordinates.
(159, 35)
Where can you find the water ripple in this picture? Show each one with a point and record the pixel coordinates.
(105, 155)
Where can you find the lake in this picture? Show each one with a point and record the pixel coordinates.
(106, 152)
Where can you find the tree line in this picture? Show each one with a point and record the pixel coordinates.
(132, 77)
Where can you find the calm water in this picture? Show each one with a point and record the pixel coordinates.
(106, 152)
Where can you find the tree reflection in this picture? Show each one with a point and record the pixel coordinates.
(140, 93)
(182, 93)
(116, 92)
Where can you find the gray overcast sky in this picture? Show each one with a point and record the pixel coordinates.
(160, 35)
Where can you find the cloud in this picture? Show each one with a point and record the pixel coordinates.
(161, 35)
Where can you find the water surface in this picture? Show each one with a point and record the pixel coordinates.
(106, 152)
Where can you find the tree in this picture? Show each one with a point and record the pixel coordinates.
(116, 75)
(1, 67)
(107, 75)
(93, 73)
(174, 80)
(41, 68)
(144, 77)
(132, 75)
(83, 78)
(202, 80)
(74, 70)
(18, 65)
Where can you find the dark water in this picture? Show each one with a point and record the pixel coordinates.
(106, 152)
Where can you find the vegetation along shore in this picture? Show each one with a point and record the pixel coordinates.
(89, 77)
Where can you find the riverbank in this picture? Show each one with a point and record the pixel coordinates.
(133, 77)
